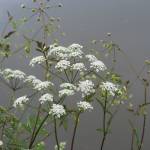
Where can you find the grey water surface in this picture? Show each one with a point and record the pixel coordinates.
(83, 21)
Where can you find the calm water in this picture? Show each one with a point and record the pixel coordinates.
(85, 20)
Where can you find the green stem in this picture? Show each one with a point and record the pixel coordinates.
(144, 120)
(104, 123)
(56, 134)
(73, 79)
(35, 126)
(132, 140)
(74, 131)
(37, 131)
(67, 75)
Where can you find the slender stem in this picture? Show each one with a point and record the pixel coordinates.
(47, 67)
(67, 75)
(74, 131)
(37, 131)
(143, 132)
(73, 79)
(132, 140)
(144, 120)
(56, 134)
(43, 139)
(104, 123)
(35, 126)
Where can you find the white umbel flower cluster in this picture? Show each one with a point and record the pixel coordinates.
(43, 85)
(83, 105)
(60, 52)
(68, 89)
(98, 66)
(62, 146)
(68, 86)
(37, 60)
(13, 74)
(78, 66)
(32, 79)
(62, 65)
(38, 84)
(91, 58)
(110, 87)
(75, 50)
(66, 92)
(95, 63)
(20, 101)
(57, 110)
(46, 98)
(86, 87)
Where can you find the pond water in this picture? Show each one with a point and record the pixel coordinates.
(85, 20)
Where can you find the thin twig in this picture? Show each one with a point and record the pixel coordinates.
(56, 134)
(74, 131)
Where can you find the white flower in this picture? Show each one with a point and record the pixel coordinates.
(91, 58)
(98, 65)
(43, 85)
(37, 60)
(20, 101)
(75, 50)
(13, 74)
(62, 146)
(69, 89)
(78, 66)
(86, 87)
(57, 110)
(18, 74)
(75, 46)
(32, 79)
(66, 92)
(1, 143)
(59, 52)
(82, 105)
(109, 87)
(38, 84)
(62, 65)
(46, 98)
(68, 86)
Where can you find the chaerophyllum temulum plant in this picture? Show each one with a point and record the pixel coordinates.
(75, 73)
(71, 80)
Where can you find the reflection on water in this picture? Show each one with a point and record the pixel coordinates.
(83, 21)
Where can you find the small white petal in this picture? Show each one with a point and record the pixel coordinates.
(110, 87)
(37, 60)
(46, 98)
(62, 65)
(82, 105)
(86, 87)
(57, 110)
(20, 101)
